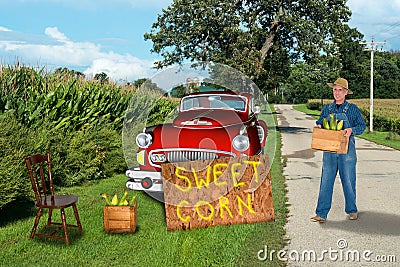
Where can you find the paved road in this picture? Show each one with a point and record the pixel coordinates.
(376, 234)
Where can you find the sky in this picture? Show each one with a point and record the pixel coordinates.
(94, 36)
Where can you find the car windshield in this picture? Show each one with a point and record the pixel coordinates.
(214, 102)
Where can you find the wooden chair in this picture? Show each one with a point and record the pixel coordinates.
(39, 168)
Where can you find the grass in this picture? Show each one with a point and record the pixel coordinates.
(152, 244)
(383, 138)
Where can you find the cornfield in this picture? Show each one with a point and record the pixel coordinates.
(387, 108)
(66, 101)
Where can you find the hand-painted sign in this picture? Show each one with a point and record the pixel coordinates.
(223, 191)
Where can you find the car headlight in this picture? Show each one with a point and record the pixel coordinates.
(144, 140)
(241, 142)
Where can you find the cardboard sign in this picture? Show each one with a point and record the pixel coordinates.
(225, 191)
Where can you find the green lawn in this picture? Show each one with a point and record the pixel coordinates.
(152, 244)
(382, 138)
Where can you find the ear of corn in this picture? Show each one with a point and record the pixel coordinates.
(114, 200)
(325, 123)
(123, 198)
(108, 202)
(119, 202)
(339, 125)
(132, 201)
(333, 123)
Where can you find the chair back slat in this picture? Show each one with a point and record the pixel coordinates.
(39, 169)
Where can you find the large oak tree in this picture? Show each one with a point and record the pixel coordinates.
(258, 37)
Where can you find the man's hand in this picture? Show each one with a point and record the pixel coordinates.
(348, 132)
(319, 126)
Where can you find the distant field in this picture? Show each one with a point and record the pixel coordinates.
(387, 108)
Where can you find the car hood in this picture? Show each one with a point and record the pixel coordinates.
(204, 118)
(167, 136)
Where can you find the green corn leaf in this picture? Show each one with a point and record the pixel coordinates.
(62, 123)
(60, 103)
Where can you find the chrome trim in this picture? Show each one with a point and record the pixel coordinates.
(208, 95)
(241, 136)
(189, 154)
(146, 135)
(179, 156)
(261, 133)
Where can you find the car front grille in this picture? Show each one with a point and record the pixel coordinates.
(180, 156)
(183, 155)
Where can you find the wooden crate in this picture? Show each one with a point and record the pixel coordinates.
(120, 219)
(329, 140)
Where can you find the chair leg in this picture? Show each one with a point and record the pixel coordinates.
(38, 215)
(78, 221)
(49, 219)
(64, 224)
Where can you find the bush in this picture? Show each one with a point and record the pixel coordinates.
(382, 123)
(393, 136)
(109, 142)
(13, 138)
(274, 99)
(78, 156)
(314, 105)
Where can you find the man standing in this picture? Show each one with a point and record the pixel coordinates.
(354, 124)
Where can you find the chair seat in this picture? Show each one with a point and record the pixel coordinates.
(58, 202)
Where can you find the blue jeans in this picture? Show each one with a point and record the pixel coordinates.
(346, 165)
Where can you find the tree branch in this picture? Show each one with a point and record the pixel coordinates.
(269, 39)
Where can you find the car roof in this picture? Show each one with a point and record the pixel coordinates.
(212, 92)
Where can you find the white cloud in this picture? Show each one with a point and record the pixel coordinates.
(60, 51)
(3, 29)
(374, 9)
(120, 68)
(54, 33)
(360, 6)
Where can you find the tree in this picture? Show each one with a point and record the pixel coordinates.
(306, 82)
(102, 77)
(67, 72)
(386, 76)
(355, 63)
(139, 82)
(258, 37)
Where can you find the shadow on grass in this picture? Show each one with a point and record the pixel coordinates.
(73, 235)
(17, 210)
(270, 113)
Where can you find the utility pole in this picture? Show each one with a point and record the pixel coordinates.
(372, 46)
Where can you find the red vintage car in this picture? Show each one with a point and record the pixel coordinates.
(209, 125)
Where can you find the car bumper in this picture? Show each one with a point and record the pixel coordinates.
(144, 180)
